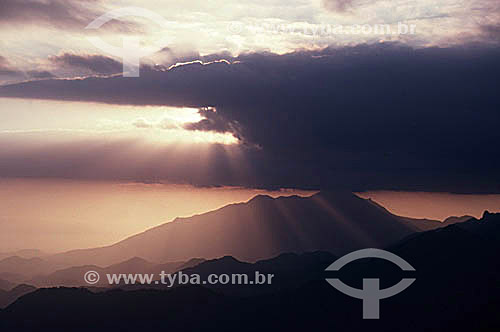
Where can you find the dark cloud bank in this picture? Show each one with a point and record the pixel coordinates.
(379, 116)
(91, 62)
(9, 71)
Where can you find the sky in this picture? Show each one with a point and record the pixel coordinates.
(55, 215)
(354, 95)
(43, 39)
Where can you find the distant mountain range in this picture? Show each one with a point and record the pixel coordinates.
(428, 224)
(290, 270)
(6, 285)
(457, 273)
(25, 253)
(16, 266)
(262, 228)
(74, 276)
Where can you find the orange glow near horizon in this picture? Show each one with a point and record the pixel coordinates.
(58, 215)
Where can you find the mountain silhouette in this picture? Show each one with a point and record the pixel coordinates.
(8, 297)
(456, 289)
(14, 278)
(25, 253)
(427, 224)
(289, 271)
(262, 228)
(424, 224)
(74, 276)
(26, 268)
(6, 285)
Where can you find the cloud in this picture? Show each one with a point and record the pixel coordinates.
(381, 116)
(97, 64)
(142, 124)
(213, 121)
(167, 124)
(74, 15)
(6, 69)
(162, 124)
(40, 74)
(65, 64)
(53, 12)
(10, 73)
(491, 32)
(338, 5)
(44, 155)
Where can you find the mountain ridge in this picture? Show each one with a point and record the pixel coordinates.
(330, 221)
(459, 254)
